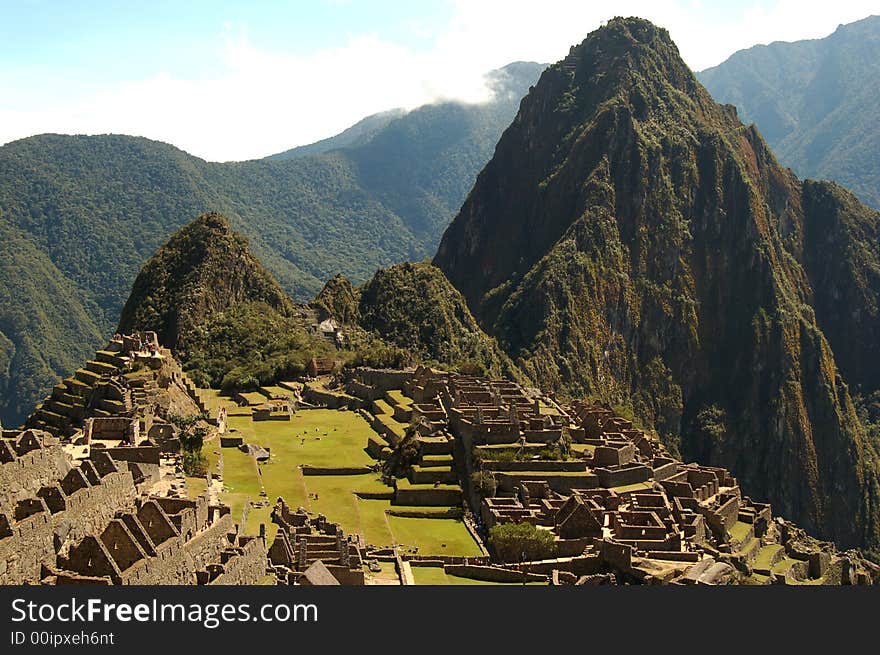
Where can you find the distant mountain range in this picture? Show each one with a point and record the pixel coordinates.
(88, 211)
(815, 102)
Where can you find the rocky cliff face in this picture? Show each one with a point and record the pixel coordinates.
(633, 240)
(203, 269)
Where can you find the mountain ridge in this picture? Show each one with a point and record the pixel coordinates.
(98, 207)
(654, 256)
(813, 101)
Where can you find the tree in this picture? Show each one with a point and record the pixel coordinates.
(485, 483)
(191, 433)
(514, 542)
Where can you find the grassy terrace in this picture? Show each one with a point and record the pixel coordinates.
(395, 426)
(582, 448)
(278, 391)
(382, 407)
(766, 555)
(547, 410)
(781, 567)
(387, 575)
(400, 399)
(254, 398)
(637, 486)
(435, 575)
(328, 438)
(740, 531)
(214, 400)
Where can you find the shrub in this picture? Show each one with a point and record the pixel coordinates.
(485, 483)
(514, 542)
(191, 433)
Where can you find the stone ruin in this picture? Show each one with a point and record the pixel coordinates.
(302, 541)
(619, 507)
(63, 522)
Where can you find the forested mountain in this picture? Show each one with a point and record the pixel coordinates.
(227, 320)
(815, 102)
(91, 210)
(654, 253)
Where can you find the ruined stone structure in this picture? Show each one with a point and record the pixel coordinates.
(63, 522)
(100, 500)
(619, 507)
(301, 541)
(166, 541)
(76, 501)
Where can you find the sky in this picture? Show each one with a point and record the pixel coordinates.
(240, 80)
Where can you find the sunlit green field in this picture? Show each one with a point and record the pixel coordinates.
(328, 438)
(435, 575)
(434, 536)
(319, 437)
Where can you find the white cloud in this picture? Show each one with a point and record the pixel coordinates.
(264, 102)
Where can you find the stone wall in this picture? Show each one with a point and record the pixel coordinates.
(25, 546)
(137, 454)
(80, 503)
(23, 476)
(493, 573)
(330, 400)
(428, 496)
(381, 379)
(242, 565)
(363, 391)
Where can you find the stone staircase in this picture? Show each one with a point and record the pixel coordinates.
(63, 411)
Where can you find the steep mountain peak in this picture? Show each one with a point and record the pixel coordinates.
(627, 51)
(623, 90)
(633, 241)
(204, 268)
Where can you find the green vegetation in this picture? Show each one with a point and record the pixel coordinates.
(485, 483)
(435, 575)
(598, 294)
(512, 454)
(203, 268)
(191, 431)
(46, 329)
(85, 213)
(511, 540)
(414, 307)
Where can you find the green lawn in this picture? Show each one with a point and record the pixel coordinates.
(328, 438)
(400, 399)
(766, 555)
(434, 536)
(740, 531)
(195, 487)
(435, 575)
(318, 437)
